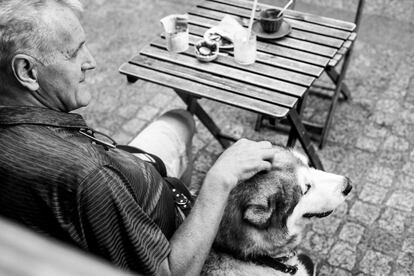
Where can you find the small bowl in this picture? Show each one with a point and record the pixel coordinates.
(206, 51)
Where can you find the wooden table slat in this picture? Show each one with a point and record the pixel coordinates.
(197, 89)
(290, 64)
(280, 51)
(232, 86)
(352, 37)
(267, 69)
(298, 24)
(292, 43)
(208, 18)
(298, 15)
(188, 60)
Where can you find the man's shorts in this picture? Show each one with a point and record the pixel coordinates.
(169, 137)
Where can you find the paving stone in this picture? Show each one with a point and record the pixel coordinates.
(401, 273)
(388, 106)
(352, 232)
(133, 126)
(326, 226)
(162, 99)
(197, 145)
(343, 255)
(394, 158)
(394, 143)
(375, 131)
(405, 262)
(355, 163)
(329, 271)
(384, 119)
(148, 113)
(385, 242)
(342, 210)
(409, 169)
(393, 221)
(364, 213)
(203, 162)
(373, 193)
(355, 112)
(403, 130)
(196, 182)
(317, 243)
(380, 175)
(402, 200)
(368, 144)
(128, 111)
(404, 182)
(408, 245)
(214, 147)
(203, 133)
(375, 263)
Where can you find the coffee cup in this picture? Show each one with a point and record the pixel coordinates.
(270, 20)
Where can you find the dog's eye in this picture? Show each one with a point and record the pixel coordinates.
(308, 186)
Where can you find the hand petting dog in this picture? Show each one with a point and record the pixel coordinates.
(242, 160)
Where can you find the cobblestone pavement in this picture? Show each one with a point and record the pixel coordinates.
(371, 140)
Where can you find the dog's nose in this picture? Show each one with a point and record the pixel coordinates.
(348, 187)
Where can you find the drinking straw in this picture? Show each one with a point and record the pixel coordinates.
(252, 19)
(284, 8)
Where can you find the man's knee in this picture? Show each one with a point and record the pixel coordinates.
(181, 119)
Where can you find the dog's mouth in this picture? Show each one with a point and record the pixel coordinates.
(318, 215)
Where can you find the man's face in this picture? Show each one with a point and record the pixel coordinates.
(59, 80)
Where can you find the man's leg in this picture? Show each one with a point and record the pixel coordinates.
(169, 137)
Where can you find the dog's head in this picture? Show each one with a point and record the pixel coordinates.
(266, 214)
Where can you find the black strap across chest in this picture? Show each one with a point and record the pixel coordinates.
(182, 197)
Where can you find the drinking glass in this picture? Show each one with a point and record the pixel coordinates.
(245, 48)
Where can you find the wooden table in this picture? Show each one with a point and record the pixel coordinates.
(275, 85)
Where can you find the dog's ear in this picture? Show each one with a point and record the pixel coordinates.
(258, 215)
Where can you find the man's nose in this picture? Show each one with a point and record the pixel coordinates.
(90, 62)
(347, 186)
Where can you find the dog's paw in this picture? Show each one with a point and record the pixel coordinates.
(307, 262)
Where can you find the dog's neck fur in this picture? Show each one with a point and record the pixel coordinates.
(277, 263)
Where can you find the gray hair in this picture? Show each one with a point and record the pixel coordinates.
(22, 29)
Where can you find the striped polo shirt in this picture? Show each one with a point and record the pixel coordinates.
(105, 201)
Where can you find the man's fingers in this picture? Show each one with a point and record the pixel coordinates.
(268, 154)
(265, 144)
(265, 166)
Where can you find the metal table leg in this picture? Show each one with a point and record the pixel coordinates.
(195, 108)
(302, 135)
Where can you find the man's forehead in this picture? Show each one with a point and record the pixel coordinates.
(64, 26)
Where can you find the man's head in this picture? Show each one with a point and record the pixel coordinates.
(43, 55)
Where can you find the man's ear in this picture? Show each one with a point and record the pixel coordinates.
(25, 71)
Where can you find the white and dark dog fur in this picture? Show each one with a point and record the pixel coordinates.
(265, 217)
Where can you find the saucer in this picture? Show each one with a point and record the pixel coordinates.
(284, 30)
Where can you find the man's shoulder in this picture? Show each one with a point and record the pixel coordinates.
(40, 152)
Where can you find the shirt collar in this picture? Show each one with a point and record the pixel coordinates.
(17, 115)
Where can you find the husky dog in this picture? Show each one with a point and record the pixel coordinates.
(265, 217)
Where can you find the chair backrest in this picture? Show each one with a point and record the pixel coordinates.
(358, 14)
(23, 252)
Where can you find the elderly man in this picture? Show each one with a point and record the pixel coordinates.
(59, 178)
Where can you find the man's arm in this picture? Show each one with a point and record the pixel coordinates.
(192, 241)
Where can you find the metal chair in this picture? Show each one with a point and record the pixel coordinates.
(337, 74)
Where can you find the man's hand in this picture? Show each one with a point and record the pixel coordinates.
(241, 161)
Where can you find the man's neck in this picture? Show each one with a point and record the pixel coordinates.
(19, 97)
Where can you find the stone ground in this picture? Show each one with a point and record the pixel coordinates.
(371, 141)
